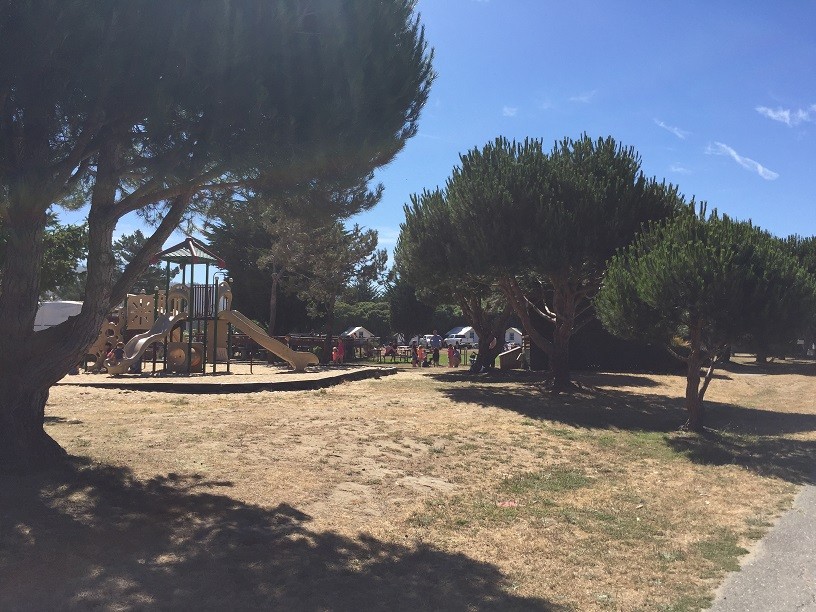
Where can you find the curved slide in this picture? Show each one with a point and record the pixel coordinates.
(137, 344)
(297, 359)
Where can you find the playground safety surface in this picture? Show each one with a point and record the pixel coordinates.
(242, 378)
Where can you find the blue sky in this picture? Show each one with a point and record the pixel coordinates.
(717, 97)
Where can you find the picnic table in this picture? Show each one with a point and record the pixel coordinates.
(402, 353)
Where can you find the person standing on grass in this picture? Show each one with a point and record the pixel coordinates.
(450, 355)
(436, 344)
(414, 354)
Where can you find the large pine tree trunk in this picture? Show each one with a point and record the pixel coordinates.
(24, 445)
(559, 367)
(273, 303)
(486, 356)
(694, 401)
(31, 363)
(694, 404)
(564, 303)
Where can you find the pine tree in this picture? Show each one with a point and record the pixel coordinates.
(698, 283)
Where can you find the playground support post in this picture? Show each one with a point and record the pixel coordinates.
(167, 313)
(208, 310)
(216, 305)
(190, 316)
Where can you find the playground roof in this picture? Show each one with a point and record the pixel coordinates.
(189, 251)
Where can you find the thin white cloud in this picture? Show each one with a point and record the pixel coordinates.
(679, 169)
(681, 134)
(584, 98)
(546, 104)
(509, 111)
(790, 117)
(719, 148)
(387, 237)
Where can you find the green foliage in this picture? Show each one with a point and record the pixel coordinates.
(331, 259)
(721, 276)
(434, 253)
(536, 226)
(149, 107)
(446, 317)
(241, 236)
(155, 107)
(552, 214)
(374, 316)
(804, 249)
(64, 246)
(409, 315)
(125, 249)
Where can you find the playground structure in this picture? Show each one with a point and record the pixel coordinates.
(190, 325)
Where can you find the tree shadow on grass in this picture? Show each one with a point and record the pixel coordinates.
(94, 536)
(537, 377)
(800, 367)
(750, 437)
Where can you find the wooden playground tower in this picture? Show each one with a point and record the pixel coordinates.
(192, 322)
(182, 318)
(202, 307)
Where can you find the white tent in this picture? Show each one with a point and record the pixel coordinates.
(54, 313)
(358, 333)
(471, 337)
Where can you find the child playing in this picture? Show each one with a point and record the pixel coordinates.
(117, 353)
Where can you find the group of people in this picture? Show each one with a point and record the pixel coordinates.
(419, 356)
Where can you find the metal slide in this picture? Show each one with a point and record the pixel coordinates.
(137, 344)
(297, 359)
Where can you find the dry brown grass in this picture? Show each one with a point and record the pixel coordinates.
(428, 489)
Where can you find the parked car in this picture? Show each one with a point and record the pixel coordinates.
(425, 340)
(460, 340)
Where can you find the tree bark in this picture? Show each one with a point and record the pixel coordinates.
(24, 445)
(565, 302)
(39, 360)
(273, 302)
(329, 329)
(562, 317)
(489, 326)
(694, 399)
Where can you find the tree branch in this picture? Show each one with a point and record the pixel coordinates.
(151, 246)
(675, 354)
(708, 376)
(519, 307)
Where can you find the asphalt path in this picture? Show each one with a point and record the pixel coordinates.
(779, 575)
